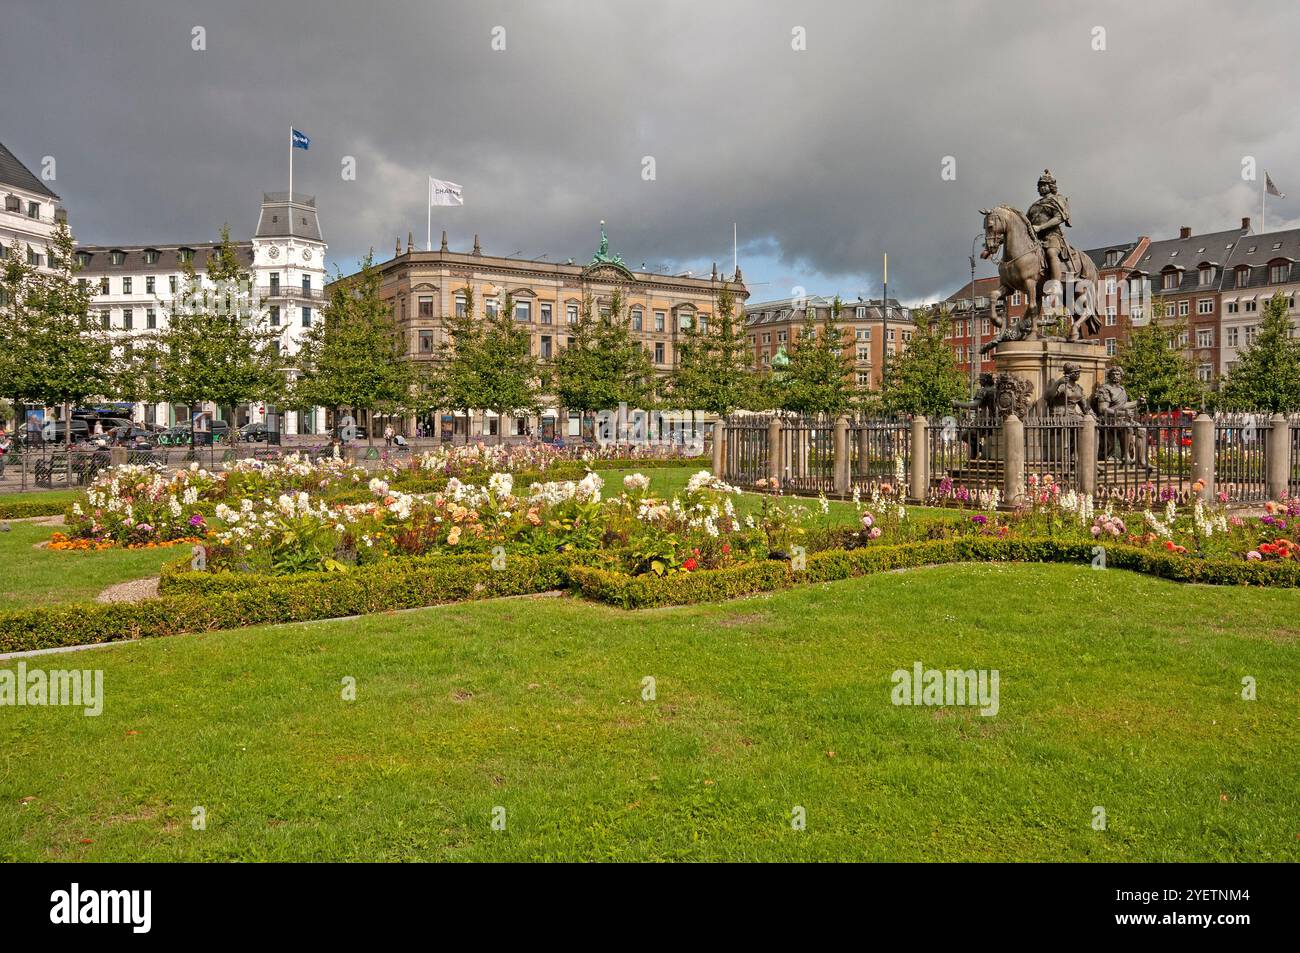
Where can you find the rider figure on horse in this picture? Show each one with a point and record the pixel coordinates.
(1049, 215)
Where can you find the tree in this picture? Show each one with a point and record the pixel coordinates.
(602, 366)
(508, 374)
(923, 379)
(817, 380)
(1155, 366)
(713, 366)
(51, 354)
(353, 357)
(453, 381)
(1267, 375)
(217, 346)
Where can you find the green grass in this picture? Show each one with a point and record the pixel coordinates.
(43, 496)
(1117, 690)
(31, 576)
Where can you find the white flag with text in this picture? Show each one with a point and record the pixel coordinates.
(445, 193)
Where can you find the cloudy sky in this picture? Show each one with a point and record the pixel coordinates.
(825, 157)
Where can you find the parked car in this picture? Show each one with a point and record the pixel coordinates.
(130, 435)
(254, 433)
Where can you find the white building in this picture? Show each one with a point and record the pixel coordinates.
(29, 214)
(286, 258)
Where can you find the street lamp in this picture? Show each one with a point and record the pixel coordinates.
(974, 325)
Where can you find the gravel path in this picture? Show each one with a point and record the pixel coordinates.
(132, 591)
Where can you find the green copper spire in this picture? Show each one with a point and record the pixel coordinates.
(602, 256)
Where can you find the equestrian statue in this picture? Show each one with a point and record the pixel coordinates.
(1038, 261)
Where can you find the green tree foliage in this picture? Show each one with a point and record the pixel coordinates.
(1156, 368)
(353, 356)
(603, 365)
(50, 352)
(217, 345)
(818, 379)
(1267, 375)
(508, 376)
(452, 382)
(713, 370)
(923, 379)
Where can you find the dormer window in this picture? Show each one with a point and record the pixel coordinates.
(1169, 280)
(83, 258)
(1207, 275)
(1279, 271)
(150, 256)
(1243, 276)
(185, 255)
(116, 257)
(1112, 258)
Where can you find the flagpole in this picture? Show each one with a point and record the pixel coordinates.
(291, 171)
(1263, 202)
(884, 328)
(428, 236)
(735, 249)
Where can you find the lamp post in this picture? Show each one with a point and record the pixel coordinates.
(974, 325)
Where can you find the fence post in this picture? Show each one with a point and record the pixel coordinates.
(1203, 454)
(864, 447)
(1013, 475)
(1086, 455)
(774, 449)
(920, 475)
(841, 456)
(719, 432)
(1279, 456)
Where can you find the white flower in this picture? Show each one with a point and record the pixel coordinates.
(588, 489)
(501, 485)
(378, 487)
(636, 483)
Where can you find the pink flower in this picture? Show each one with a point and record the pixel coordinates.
(874, 533)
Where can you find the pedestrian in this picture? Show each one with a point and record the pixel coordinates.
(99, 428)
(4, 449)
(389, 433)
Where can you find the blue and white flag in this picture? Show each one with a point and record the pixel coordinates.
(300, 141)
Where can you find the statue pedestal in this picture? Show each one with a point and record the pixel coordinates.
(1040, 362)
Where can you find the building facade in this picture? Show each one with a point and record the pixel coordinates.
(426, 288)
(30, 213)
(773, 326)
(1258, 267)
(136, 286)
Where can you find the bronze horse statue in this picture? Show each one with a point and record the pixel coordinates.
(1024, 268)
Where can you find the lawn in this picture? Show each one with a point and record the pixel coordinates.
(1117, 691)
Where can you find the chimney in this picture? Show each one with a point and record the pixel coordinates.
(1245, 223)
(1185, 232)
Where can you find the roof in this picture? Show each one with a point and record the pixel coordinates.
(783, 310)
(1187, 255)
(1257, 252)
(1098, 255)
(168, 257)
(17, 175)
(285, 218)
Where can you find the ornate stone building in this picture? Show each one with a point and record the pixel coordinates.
(425, 288)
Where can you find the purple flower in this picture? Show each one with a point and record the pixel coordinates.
(196, 519)
(979, 519)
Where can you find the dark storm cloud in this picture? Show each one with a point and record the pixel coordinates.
(825, 158)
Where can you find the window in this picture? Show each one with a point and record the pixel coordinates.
(275, 315)
(306, 317)
(150, 257)
(524, 311)
(128, 319)
(638, 319)
(33, 209)
(1205, 337)
(1205, 306)
(1169, 310)
(1250, 305)
(103, 285)
(546, 312)
(1230, 308)
(1243, 276)
(864, 353)
(149, 284)
(767, 337)
(1182, 309)
(1182, 339)
(275, 282)
(1110, 318)
(1207, 276)
(150, 319)
(171, 283)
(32, 257)
(780, 337)
(1204, 373)
(126, 285)
(571, 313)
(1279, 273)
(426, 341)
(1251, 331)
(984, 325)
(659, 352)
(461, 305)
(1170, 280)
(861, 312)
(1232, 337)
(105, 321)
(306, 284)
(704, 324)
(490, 307)
(1110, 347)
(545, 352)
(426, 306)
(185, 255)
(683, 320)
(864, 378)
(660, 317)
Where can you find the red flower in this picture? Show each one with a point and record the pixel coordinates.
(726, 549)
(690, 565)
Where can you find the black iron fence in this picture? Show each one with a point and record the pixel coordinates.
(1293, 457)
(49, 466)
(880, 451)
(966, 457)
(1052, 447)
(1144, 459)
(807, 454)
(746, 446)
(1241, 457)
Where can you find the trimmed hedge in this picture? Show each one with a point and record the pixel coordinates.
(204, 602)
(387, 586)
(26, 509)
(640, 592)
